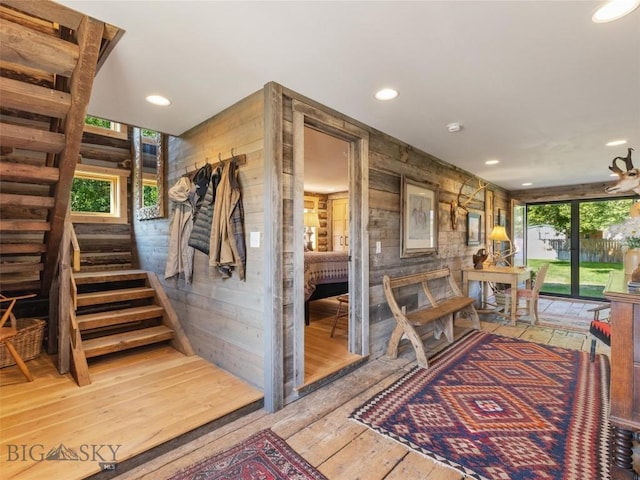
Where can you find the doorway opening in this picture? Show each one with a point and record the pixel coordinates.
(307, 121)
(326, 220)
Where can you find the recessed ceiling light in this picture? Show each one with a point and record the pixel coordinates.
(615, 143)
(614, 9)
(158, 100)
(454, 127)
(386, 94)
(491, 162)
(527, 184)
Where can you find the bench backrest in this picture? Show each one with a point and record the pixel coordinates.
(423, 278)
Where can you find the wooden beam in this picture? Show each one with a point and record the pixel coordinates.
(21, 267)
(24, 226)
(104, 152)
(81, 82)
(33, 49)
(17, 172)
(26, 74)
(18, 136)
(56, 13)
(22, 248)
(19, 285)
(33, 98)
(15, 200)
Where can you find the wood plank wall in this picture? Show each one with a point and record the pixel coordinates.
(106, 246)
(389, 158)
(223, 318)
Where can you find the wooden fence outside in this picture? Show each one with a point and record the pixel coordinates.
(591, 250)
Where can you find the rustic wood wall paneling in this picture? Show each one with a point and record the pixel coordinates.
(106, 246)
(272, 288)
(388, 158)
(223, 318)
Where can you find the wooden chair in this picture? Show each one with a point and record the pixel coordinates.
(341, 299)
(529, 294)
(600, 329)
(7, 333)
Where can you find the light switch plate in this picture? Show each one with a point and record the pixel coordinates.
(254, 240)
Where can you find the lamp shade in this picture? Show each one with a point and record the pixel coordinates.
(499, 234)
(311, 219)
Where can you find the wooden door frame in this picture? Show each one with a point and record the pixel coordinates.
(358, 139)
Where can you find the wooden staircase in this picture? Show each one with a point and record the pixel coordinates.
(120, 310)
(49, 56)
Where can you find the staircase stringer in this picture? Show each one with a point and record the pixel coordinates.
(80, 370)
(170, 319)
(89, 36)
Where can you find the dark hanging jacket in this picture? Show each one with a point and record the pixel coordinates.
(201, 233)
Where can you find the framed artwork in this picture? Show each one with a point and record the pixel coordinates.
(418, 218)
(502, 218)
(474, 229)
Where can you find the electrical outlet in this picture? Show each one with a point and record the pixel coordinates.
(378, 247)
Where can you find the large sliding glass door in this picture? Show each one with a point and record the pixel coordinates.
(574, 238)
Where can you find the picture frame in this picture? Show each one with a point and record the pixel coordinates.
(418, 218)
(474, 229)
(502, 218)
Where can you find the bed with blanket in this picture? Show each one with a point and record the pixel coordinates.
(326, 274)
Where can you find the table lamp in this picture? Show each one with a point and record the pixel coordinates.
(499, 234)
(311, 221)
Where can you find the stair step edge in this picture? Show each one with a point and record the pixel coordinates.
(124, 341)
(88, 321)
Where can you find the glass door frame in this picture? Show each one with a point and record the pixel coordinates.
(574, 240)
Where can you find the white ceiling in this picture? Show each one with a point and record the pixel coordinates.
(535, 84)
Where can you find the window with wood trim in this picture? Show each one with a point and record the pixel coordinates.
(105, 127)
(99, 195)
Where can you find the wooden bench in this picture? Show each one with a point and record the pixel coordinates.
(439, 311)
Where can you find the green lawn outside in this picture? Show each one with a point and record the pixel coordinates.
(593, 276)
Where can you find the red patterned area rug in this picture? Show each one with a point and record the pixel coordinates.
(263, 456)
(495, 407)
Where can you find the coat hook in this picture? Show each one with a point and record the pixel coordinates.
(220, 158)
(232, 155)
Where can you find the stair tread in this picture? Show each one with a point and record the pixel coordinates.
(123, 341)
(116, 295)
(116, 317)
(85, 278)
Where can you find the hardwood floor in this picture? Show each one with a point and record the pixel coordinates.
(136, 401)
(323, 354)
(317, 425)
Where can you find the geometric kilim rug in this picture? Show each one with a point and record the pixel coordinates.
(263, 456)
(497, 407)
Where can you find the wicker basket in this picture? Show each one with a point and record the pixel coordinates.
(28, 341)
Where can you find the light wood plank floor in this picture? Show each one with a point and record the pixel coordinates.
(135, 402)
(323, 354)
(128, 405)
(317, 425)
